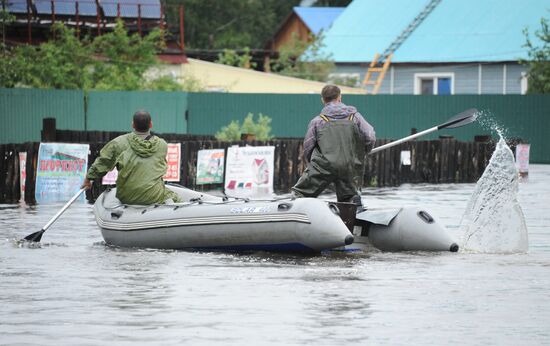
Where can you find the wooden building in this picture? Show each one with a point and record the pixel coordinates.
(303, 22)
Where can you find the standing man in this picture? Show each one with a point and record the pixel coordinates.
(335, 146)
(140, 158)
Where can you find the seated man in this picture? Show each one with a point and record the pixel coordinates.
(140, 159)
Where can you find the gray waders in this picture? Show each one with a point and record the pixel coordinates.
(337, 158)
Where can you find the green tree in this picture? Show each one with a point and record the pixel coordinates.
(62, 63)
(232, 58)
(114, 61)
(261, 129)
(228, 24)
(5, 19)
(164, 83)
(9, 76)
(304, 59)
(128, 57)
(538, 75)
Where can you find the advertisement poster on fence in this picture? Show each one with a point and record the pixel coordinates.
(61, 170)
(522, 157)
(210, 166)
(249, 171)
(22, 172)
(173, 159)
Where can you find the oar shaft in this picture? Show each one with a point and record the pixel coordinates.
(56, 216)
(402, 140)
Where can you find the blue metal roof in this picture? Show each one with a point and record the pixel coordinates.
(318, 18)
(468, 30)
(455, 31)
(367, 27)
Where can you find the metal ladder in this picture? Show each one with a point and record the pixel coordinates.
(381, 62)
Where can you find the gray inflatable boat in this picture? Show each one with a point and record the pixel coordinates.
(209, 222)
(399, 229)
(284, 224)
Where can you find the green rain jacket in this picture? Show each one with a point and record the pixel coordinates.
(141, 164)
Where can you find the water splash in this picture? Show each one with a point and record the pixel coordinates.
(493, 221)
(488, 122)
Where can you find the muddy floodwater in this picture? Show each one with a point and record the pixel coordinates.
(74, 290)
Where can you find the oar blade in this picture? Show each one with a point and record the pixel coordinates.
(460, 119)
(35, 237)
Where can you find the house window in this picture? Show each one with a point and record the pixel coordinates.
(434, 83)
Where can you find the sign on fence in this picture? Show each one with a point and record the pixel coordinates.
(173, 159)
(249, 171)
(522, 158)
(210, 166)
(22, 172)
(61, 169)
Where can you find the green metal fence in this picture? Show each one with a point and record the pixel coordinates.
(393, 116)
(290, 114)
(22, 111)
(113, 110)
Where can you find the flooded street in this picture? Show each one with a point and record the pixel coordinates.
(72, 289)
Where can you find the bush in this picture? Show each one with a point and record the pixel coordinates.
(539, 59)
(260, 129)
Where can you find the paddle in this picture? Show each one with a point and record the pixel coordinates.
(36, 236)
(458, 120)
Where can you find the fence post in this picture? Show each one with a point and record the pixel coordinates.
(31, 166)
(48, 130)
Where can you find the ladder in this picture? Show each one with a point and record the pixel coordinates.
(375, 73)
(381, 62)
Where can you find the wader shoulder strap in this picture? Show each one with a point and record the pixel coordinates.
(149, 137)
(351, 116)
(324, 117)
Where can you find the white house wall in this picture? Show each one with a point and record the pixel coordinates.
(466, 77)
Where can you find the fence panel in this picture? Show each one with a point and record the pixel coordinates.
(22, 111)
(113, 110)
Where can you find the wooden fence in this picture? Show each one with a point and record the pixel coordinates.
(436, 161)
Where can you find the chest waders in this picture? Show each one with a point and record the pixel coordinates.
(337, 158)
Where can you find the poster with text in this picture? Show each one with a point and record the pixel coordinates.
(522, 157)
(173, 159)
(22, 172)
(210, 166)
(61, 170)
(249, 171)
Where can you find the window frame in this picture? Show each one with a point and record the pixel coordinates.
(434, 76)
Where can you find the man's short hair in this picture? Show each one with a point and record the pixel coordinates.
(330, 93)
(142, 121)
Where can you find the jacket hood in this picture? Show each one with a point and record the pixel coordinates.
(143, 147)
(338, 110)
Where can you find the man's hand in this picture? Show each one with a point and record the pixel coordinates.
(87, 184)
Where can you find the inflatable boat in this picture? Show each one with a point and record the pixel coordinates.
(210, 222)
(285, 224)
(397, 229)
